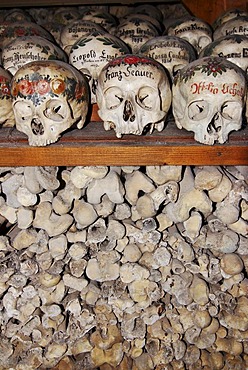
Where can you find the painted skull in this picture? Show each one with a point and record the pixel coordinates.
(7, 118)
(48, 98)
(26, 49)
(196, 31)
(91, 53)
(234, 48)
(237, 25)
(10, 31)
(75, 30)
(171, 51)
(209, 98)
(133, 93)
(135, 32)
(227, 15)
(104, 18)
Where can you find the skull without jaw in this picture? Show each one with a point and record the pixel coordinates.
(48, 98)
(209, 98)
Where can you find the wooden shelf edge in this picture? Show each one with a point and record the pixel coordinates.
(93, 146)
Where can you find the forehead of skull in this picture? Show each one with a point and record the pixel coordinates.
(237, 25)
(227, 15)
(71, 32)
(212, 76)
(229, 47)
(10, 31)
(45, 78)
(189, 25)
(105, 19)
(168, 48)
(133, 69)
(96, 50)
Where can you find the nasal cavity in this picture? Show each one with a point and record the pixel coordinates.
(128, 112)
(37, 127)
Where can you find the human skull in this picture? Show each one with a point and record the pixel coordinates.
(208, 98)
(196, 31)
(104, 18)
(133, 93)
(90, 54)
(10, 31)
(227, 15)
(48, 98)
(7, 118)
(171, 51)
(26, 49)
(135, 32)
(237, 25)
(234, 48)
(75, 30)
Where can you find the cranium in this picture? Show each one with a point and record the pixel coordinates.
(75, 30)
(26, 49)
(133, 92)
(7, 118)
(196, 31)
(104, 18)
(237, 25)
(10, 31)
(135, 32)
(227, 15)
(48, 98)
(171, 51)
(209, 99)
(234, 48)
(90, 53)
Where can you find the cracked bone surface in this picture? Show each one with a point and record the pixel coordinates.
(123, 268)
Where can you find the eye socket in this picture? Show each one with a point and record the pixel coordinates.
(146, 97)
(23, 110)
(113, 97)
(56, 110)
(198, 110)
(230, 110)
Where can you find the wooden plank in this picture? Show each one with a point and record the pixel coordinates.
(45, 3)
(92, 145)
(211, 10)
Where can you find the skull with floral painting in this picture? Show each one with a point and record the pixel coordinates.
(209, 97)
(237, 25)
(133, 95)
(91, 53)
(233, 47)
(7, 118)
(49, 97)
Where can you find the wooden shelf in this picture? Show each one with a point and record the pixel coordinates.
(92, 145)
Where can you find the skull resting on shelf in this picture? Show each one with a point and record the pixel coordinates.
(133, 92)
(209, 97)
(48, 98)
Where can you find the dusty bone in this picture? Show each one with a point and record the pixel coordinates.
(221, 191)
(77, 283)
(165, 194)
(53, 224)
(81, 176)
(38, 178)
(136, 182)
(207, 177)
(240, 227)
(110, 185)
(189, 198)
(25, 197)
(105, 267)
(193, 225)
(10, 188)
(24, 218)
(58, 246)
(25, 238)
(84, 213)
(162, 174)
(8, 212)
(115, 230)
(62, 202)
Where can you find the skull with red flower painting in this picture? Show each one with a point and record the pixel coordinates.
(49, 97)
(133, 94)
(209, 97)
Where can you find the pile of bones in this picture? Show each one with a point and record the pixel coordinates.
(135, 268)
